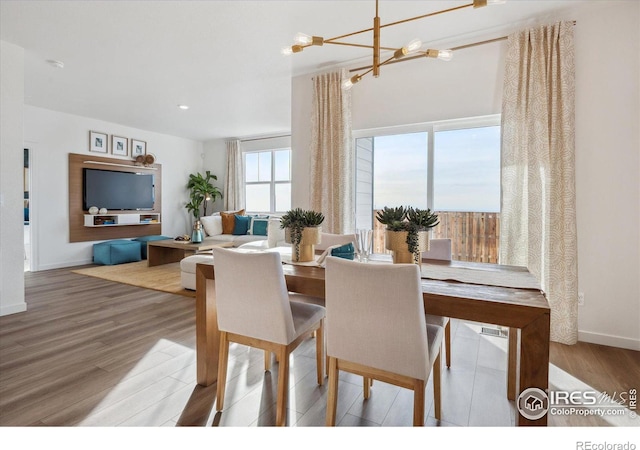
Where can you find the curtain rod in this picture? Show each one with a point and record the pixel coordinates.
(460, 47)
(264, 138)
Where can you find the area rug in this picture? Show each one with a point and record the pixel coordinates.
(165, 278)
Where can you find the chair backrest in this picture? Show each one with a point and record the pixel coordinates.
(328, 240)
(438, 249)
(251, 295)
(375, 316)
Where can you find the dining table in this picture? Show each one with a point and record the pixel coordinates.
(503, 295)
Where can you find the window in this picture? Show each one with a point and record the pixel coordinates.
(268, 180)
(451, 167)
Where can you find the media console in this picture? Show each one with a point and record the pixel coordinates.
(111, 220)
(117, 223)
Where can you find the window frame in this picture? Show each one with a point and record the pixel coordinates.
(267, 145)
(430, 128)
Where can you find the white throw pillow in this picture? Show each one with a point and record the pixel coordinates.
(275, 234)
(212, 225)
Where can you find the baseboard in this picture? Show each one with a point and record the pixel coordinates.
(13, 309)
(62, 265)
(609, 340)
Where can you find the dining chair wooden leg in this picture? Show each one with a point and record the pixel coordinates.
(418, 403)
(447, 339)
(267, 360)
(283, 386)
(366, 390)
(320, 353)
(332, 395)
(437, 404)
(223, 358)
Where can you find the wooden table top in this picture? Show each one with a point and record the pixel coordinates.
(188, 245)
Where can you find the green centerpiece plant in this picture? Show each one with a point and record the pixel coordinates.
(303, 232)
(407, 231)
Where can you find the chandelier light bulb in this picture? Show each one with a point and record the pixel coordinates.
(348, 83)
(413, 46)
(286, 51)
(445, 55)
(302, 39)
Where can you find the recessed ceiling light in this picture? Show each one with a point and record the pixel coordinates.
(56, 64)
(185, 107)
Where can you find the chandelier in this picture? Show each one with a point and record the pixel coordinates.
(302, 41)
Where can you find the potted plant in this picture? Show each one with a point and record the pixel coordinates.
(407, 232)
(303, 232)
(201, 191)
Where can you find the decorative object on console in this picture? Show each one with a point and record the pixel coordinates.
(303, 231)
(407, 232)
(201, 191)
(119, 145)
(98, 142)
(94, 210)
(149, 159)
(103, 210)
(302, 41)
(138, 148)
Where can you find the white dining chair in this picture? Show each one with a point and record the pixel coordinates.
(440, 249)
(376, 328)
(261, 313)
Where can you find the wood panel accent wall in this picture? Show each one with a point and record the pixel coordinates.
(77, 231)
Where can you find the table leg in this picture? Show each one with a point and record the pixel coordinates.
(207, 333)
(534, 360)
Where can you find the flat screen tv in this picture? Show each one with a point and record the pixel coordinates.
(116, 190)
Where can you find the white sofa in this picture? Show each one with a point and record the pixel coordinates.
(273, 239)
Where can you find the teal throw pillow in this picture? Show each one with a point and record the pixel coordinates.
(242, 225)
(259, 226)
(346, 251)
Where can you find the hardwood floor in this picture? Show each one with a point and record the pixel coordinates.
(90, 352)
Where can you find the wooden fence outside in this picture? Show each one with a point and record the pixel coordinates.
(475, 236)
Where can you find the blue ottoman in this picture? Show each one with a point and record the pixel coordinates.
(116, 252)
(143, 242)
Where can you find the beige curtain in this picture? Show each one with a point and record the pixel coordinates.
(538, 219)
(332, 177)
(234, 178)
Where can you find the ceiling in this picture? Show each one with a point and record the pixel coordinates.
(133, 62)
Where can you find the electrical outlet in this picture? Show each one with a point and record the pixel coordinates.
(580, 298)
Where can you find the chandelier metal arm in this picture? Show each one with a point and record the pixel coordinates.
(426, 15)
(358, 45)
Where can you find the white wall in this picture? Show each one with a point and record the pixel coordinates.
(52, 136)
(607, 173)
(607, 145)
(215, 160)
(11, 179)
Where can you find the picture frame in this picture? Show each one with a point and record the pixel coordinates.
(98, 142)
(138, 148)
(119, 145)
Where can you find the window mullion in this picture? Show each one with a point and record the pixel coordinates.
(430, 168)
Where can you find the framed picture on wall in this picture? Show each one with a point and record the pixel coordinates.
(138, 148)
(119, 145)
(98, 142)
